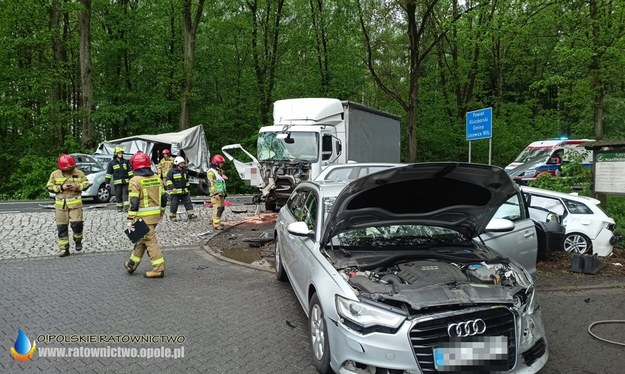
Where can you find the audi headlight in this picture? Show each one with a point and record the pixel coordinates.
(365, 318)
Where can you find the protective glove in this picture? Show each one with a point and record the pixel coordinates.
(130, 226)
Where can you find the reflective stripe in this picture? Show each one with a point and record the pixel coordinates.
(134, 258)
(158, 261)
(149, 211)
(68, 199)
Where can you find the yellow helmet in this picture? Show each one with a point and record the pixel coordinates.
(119, 149)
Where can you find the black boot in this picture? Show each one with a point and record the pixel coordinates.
(130, 266)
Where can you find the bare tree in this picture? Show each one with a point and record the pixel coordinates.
(189, 38)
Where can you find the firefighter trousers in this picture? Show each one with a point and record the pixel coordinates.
(149, 243)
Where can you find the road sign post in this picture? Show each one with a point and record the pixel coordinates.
(480, 126)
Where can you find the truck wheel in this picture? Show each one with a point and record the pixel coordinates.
(270, 205)
(203, 187)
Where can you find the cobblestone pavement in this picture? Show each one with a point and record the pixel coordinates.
(27, 235)
(231, 319)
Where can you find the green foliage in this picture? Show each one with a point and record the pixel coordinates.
(31, 182)
(529, 60)
(615, 208)
(574, 177)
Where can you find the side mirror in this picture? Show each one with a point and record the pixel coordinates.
(499, 225)
(300, 229)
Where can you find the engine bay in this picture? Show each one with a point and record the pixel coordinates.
(424, 283)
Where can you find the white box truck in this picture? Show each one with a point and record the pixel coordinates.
(307, 135)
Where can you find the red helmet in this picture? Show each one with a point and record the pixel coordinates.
(218, 159)
(66, 162)
(140, 161)
(165, 151)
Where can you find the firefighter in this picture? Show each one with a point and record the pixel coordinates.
(67, 182)
(217, 182)
(177, 185)
(165, 165)
(120, 170)
(147, 201)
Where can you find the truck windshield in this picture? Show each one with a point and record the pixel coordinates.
(302, 146)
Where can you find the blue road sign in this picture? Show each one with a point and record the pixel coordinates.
(480, 124)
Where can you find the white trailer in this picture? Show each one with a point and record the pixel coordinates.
(309, 134)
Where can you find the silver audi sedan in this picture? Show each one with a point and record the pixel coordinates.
(392, 280)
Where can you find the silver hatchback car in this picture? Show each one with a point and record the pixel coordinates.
(393, 282)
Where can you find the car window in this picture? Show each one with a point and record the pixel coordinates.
(338, 174)
(554, 205)
(89, 168)
(576, 207)
(370, 170)
(512, 209)
(309, 215)
(297, 203)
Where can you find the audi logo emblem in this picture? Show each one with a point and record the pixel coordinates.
(466, 328)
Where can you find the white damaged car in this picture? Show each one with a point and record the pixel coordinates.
(388, 272)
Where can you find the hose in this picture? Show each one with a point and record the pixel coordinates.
(604, 322)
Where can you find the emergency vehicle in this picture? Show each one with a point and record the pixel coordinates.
(547, 156)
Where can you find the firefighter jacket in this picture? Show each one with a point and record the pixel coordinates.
(178, 179)
(119, 170)
(164, 166)
(147, 197)
(216, 181)
(58, 183)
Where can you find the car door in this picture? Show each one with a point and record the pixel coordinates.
(521, 242)
(297, 259)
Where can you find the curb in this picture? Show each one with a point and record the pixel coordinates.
(218, 256)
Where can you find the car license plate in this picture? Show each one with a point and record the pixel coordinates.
(478, 351)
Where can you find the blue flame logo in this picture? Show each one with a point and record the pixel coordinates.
(23, 350)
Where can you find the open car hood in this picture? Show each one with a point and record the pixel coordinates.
(459, 196)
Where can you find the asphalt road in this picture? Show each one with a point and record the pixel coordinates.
(234, 319)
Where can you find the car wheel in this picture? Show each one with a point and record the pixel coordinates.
(319, 336)
(577, 243)
(103, 195)
(280, 272)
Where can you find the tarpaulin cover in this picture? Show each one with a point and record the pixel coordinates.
(191, 141)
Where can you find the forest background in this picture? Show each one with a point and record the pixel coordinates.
(77, 72)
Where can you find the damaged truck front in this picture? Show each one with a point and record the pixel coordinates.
(310, 134)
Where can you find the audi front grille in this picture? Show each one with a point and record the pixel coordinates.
(432, 333)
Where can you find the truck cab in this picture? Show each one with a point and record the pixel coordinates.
(307, 135)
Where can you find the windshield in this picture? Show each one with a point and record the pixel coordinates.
(394, 236)
(530, 154)
(301, 146)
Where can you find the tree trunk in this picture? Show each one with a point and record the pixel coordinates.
(190, 33)
(57, 62)
(86, 80)
(265, 53)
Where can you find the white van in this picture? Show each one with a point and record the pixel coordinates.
(547, 156)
